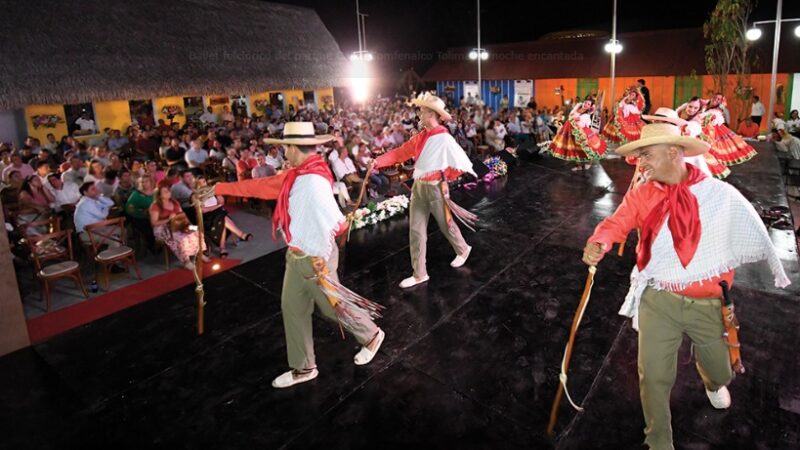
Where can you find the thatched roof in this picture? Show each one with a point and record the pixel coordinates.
(57, 51)
(580, 55)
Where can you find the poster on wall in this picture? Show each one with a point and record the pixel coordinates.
(471, 91)
(523, 92)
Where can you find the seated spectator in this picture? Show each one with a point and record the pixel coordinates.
(137, 170)
(108, 184)
(42, 170)
(76, 172)
(748, 128)
(217, 152)
(274, 158)
(182, 191)
(793, 123)
(118, 143)
(125, 188)
(788, 143)
(146, 146)
(34, 200)
(216, 221)
(164, 219)
(344, 169)
(64, 194)
(96, 172)
(230, 165)
(100, 153)
(377, 181)
(52, 143)
(175, 155)
(245, 165)
(151, 169)
(262, 169)
(92, 208)
(196, 157)
(47, 157)
(173, 176)
(17, 165)
(115, 162)
(137, 209)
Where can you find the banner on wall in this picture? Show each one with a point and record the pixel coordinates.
(523, 92)
(471, 90)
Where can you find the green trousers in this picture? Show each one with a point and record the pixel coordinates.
(664, 318)
(427, 199)
(300, 295)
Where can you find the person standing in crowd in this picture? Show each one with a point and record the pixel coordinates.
(645, 91)
(757, 110)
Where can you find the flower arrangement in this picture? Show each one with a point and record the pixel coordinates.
(497, 167)
(378, 212)
(46, 120)
(172, 110)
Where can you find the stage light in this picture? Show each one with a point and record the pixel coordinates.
(753, 34)
(797, 31)
(484, 55)
(215, 267)
(613, 47)
(473, 55)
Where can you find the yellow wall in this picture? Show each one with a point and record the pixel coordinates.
(41, 132)
(161, 102)
(114, 114)
(292, 97)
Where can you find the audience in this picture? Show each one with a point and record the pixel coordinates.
(171, 226)
(92, 208)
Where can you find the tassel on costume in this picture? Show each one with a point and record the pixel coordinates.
(467, 218)
(344, 301)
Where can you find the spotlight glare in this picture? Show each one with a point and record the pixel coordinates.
(753, 34)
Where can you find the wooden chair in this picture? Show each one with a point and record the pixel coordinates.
(50, 224)
(53, 259)
(110, 231)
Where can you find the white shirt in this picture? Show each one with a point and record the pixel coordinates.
(793, 125)
(315, 215)
(789, 144)
(74, 176)
(208, 117)
(276, 162)
(757, 109)
(342, 168)
(90, 210)
(85, 124)
(195, 157)
(69, 194)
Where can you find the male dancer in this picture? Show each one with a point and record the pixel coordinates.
(695, 230)
(438, 158)
(308, 218)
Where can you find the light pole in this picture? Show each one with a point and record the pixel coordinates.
(360, 59)
(613, 47)
(755, 33)
(479, 54)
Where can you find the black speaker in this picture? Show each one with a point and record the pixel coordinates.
(479, 167)
(508, 158)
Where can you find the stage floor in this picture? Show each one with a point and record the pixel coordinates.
(470, 361)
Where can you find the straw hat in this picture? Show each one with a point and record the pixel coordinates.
(300, 133)
(428, 100)
(665, 133)
(665, 115)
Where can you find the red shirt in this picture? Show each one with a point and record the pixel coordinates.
(630, 215)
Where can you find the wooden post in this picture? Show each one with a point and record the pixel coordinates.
(198, 265)
(12, 317)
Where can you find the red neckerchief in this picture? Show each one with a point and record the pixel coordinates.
(280, 218)
(449, 173)
(683, 222)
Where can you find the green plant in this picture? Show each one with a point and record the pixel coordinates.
(727, 51)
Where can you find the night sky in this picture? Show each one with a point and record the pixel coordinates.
(419, 29)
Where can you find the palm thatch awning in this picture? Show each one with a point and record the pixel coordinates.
(57, 51)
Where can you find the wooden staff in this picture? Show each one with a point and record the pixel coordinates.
(351, 216)
(576, 322)
(198, 266)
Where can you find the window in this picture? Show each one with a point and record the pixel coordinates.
(142, 113)
(276, 99)
(193, 107)
(80, 119)
(309, 98)
(239, 105)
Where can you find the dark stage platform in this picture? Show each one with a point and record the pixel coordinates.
(470, 359)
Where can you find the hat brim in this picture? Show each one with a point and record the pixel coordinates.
(691, 146)
(316, 140)
(444, 114)
(673, 120)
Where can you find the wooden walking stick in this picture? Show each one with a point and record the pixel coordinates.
(351, 214)
(198, 266)
(562, 378)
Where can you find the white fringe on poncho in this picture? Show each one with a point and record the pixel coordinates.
(732, 234)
